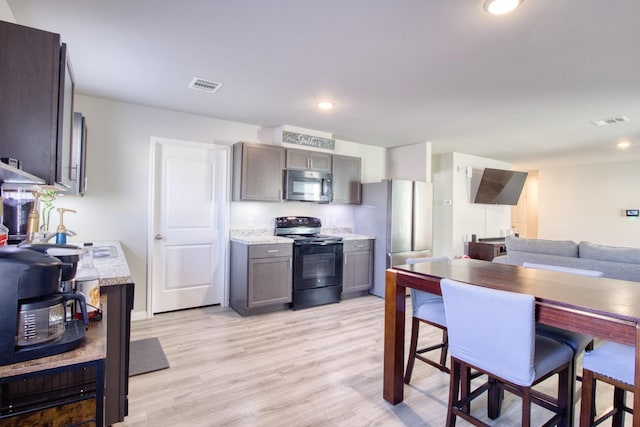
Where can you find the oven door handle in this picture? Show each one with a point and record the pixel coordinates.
(323, 243)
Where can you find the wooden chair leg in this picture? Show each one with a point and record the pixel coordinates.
(526, 407)
(566, 395)
(618, 407)
(465, 387)
(587, 406)
(454, 387)
(413, 347)
(445, 348)
(494, 399)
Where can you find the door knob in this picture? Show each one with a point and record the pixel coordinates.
(159, 237)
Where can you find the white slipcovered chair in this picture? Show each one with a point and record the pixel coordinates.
(613, 364)
(493, 332)
(427, 308)
(578, 342)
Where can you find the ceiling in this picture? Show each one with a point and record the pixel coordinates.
(522, 88)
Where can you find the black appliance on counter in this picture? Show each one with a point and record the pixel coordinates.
(34, 321)
(317, 261)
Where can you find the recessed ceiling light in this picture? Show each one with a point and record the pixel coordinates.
(500, 7)
(624, 145)
(326, 105)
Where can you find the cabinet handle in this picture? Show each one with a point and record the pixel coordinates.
(273, 251)
(359, 246)
(290, 264)
(345, 258)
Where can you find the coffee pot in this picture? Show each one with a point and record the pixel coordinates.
(34, 321)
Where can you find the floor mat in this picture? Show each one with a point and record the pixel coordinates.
(145, 356)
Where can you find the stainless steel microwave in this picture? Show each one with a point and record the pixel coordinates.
(308, 186)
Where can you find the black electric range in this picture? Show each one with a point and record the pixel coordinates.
(317, 261)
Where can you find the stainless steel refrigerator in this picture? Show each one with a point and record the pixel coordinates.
(399, 214)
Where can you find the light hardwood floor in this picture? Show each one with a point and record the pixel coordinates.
(320, 366)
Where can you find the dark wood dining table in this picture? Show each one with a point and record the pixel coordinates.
(602, 307)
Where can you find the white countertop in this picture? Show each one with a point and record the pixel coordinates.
(350, 236)
(261, 240)
(113, 269)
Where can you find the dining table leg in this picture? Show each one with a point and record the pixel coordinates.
(394, 325)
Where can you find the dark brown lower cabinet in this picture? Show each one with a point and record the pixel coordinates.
(77, 414)
(68, 395)
(120, 298)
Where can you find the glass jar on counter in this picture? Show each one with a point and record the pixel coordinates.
(87, 281)
(17, 202)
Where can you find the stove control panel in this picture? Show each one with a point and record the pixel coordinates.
(297, 221)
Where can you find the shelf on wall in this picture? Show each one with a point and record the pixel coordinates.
(16, 176)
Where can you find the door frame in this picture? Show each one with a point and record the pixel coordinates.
(154, 142)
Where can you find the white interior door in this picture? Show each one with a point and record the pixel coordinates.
(189, 207)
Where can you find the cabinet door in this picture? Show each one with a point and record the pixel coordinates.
(297, 159)
(29, 100)
(346, 180)
(269, 281)
(320, 161)
(306, 159)
(357, 274)
(64, 173)
(74, 165)
(257, 170)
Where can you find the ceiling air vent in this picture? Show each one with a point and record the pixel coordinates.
(610, 121)
(204, 85)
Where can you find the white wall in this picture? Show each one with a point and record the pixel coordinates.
(455, 218)
(411, 162)
(5, 12)
(373, 159)
(587, 202)
(116, 204)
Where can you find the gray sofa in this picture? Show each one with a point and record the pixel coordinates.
(614, 262)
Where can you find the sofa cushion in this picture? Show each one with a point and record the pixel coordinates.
(613, 270)
(566, 248)
(590, 250)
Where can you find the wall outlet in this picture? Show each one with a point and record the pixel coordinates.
(250, 221)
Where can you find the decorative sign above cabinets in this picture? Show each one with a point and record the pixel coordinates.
(308, 140)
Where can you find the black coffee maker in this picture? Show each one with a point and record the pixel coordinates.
(34, 321)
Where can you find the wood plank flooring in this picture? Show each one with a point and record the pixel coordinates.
(320, 366)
